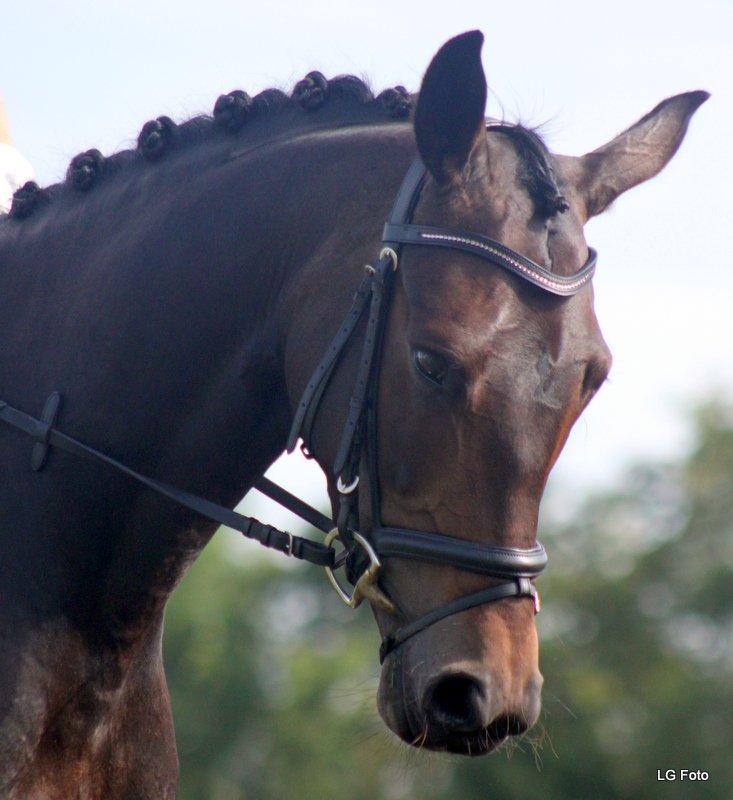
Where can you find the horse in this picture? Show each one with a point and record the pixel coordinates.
(178, 297)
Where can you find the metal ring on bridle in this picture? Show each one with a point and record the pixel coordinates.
(346, 489)
(364, 586)
(388, 252)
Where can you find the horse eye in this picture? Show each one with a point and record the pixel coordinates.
(430, 365)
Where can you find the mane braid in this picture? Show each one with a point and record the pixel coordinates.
(344, 99)
(539, 174)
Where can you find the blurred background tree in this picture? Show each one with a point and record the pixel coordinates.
(273, 683)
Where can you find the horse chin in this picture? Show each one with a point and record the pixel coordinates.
(478, 744)
(422, 737)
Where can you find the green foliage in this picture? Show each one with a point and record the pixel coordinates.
(273, 683)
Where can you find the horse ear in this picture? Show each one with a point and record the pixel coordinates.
(637, 154)
(449, 119)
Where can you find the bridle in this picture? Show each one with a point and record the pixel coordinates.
(515, 567)
(362, 552)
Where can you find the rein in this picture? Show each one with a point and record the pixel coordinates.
(362, 552)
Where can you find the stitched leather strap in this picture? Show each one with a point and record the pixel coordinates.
(500, 562)
(407, 195)
(297, 546)
(522, 587)
(496, 252)
(310, 399)
(48, 419)
(361, 386)
(284, 498)
(400, 230)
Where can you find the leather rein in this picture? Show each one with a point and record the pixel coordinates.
(361, 552)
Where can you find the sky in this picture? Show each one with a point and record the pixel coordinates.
(87, 74)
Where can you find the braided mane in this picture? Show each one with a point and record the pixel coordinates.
(346, 97)
(233, 113)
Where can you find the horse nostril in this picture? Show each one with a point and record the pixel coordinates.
(457, 703)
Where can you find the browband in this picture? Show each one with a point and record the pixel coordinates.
(400, 230)
(494, 251)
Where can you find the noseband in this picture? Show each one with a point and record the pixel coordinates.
(362, 552)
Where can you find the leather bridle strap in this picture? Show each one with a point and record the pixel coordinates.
(438, 548)
(310, 399)
(494, 251)
(372, 335)
(521, 587)
(267, 535)
(400, 230)
(294, 504)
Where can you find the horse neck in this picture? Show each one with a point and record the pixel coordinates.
(205, 326)
(290, 246)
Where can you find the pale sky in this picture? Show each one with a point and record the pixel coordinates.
(84, 74)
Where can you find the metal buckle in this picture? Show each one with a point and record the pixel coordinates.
(366, 585)
(536, 601)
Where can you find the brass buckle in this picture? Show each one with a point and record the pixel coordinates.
(366, 585)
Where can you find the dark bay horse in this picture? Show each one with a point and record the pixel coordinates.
(179, 296)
